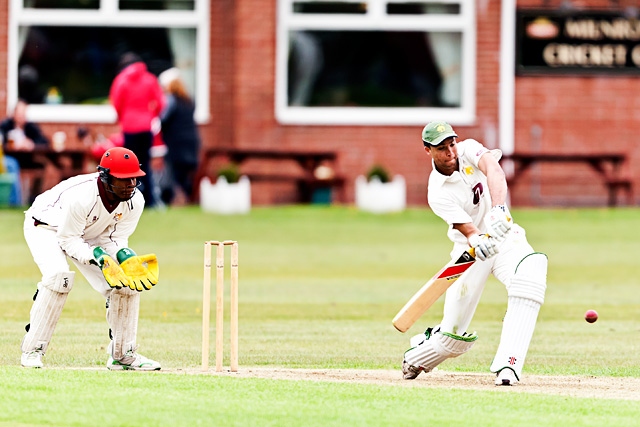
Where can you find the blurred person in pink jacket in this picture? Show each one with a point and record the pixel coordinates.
(138, 100)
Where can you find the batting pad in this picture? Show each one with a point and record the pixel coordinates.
(517, 331)
(438, 348)
(46, 310)
(122, 316)
(530, 278)
(526, 294)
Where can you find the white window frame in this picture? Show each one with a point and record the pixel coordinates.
(107, 15)
(376, 18)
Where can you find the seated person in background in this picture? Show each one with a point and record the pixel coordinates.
(20, 134)
(12, 167)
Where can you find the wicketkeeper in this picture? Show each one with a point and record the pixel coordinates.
(468, 190)
(88, 219)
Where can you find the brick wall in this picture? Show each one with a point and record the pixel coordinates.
(568, 113)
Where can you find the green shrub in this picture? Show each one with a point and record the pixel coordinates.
(378, 171)
(231, 172)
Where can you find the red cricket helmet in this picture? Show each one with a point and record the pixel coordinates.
(120, 162)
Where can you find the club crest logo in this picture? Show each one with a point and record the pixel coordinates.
(469, 170)
(440, 128)
(117, 216)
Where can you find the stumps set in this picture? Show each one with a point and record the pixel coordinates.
(206, 303)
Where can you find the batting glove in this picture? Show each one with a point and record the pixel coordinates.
(498, 221)
(142, 269)
(485, 246)
(112, 272)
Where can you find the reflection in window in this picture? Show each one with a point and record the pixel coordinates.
(76, 65)
(329, 7)
(156, 4)
(422, 8)
(375, 62)
(374, 69)
(122, 4)
(62, 4)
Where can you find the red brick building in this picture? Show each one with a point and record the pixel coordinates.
(246, 100)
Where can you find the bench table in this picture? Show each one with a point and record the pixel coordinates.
(607, 165)
(308, 161)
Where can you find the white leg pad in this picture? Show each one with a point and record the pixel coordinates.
(122, 316)
(517, 331)
(526, 295)
(438, 348)
(46, 310)
(530, 278)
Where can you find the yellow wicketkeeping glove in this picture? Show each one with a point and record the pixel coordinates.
(141, 269)
(112, 272)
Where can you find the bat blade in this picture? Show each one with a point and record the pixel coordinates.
(432, 290)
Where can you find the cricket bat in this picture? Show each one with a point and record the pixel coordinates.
(432, 290)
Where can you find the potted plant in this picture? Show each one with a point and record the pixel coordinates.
(378, 193)
(378, 172)
(230, 172)
(231, 193)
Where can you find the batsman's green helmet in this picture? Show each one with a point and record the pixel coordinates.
(436, 132)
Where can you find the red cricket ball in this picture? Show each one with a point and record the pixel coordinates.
(591, 316)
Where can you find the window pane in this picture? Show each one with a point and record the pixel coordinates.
(329, 7)
(422, 8)
(157, 4)
(374, 69)
(62, 4)
(78, 64)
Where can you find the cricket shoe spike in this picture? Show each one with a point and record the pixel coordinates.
(506, 377)
(32, 359)
(410, 372)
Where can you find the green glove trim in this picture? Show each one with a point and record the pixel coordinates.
(99, 254)
(124, 254)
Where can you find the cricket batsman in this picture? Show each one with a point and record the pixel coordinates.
(88, 219)
(468, 190)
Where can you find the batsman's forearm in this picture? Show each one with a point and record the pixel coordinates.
(497, 187)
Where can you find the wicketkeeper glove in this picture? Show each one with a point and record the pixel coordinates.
(484, 246)
(498, 221)
(141, 269)
(112, 272)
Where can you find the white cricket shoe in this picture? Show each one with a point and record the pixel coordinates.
(32, 359)
(134, 362)
(506, 376)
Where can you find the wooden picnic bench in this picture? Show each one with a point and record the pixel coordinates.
(308, 160)
(607, 165)
(67, 162)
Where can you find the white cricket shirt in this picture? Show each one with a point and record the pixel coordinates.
(464, 196)
(74, 210)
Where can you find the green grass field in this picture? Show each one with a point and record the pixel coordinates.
(318, 289)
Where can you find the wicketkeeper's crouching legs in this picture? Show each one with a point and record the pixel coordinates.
(45, 313)
(526, 293)
(123, 307)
